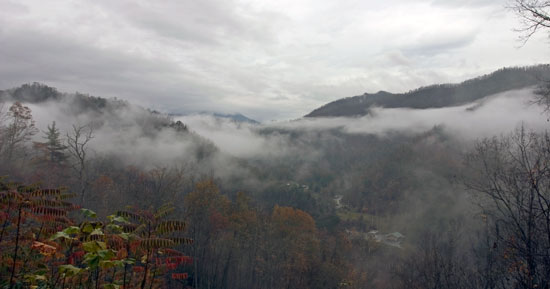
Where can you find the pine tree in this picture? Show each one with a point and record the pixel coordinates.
(54, 147)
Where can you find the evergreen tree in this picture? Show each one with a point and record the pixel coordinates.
(54, 147)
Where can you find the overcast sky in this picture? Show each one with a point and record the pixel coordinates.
(269, 60)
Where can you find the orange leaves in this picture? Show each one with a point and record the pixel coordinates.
(122, 253)
(206, 199)
(43, 248)
(288, 220)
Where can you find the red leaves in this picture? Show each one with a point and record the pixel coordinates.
(75, 256)
(79, 254)
(183, 260)
(3, 216)
(134, 245)
(177, 260)
(138, 269)
(180, 276)
(116, 242)
(172, 252)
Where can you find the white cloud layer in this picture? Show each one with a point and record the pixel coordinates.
(266, 59)
(491, 116)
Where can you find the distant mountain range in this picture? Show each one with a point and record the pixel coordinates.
(236, 117)
(38, 93)
(433, 96)
(439, 95)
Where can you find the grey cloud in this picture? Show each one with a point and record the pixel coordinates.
(29, 56)
(14, 7)
(467, 3)
(443, 42)
(209, 22)
(269, 60)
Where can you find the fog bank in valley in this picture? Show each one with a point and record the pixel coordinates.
(491, 116)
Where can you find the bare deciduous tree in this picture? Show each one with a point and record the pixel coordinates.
(17, 131)
(77, 147)
(534, 16)
(511, 175)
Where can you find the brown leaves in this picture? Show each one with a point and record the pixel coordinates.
(157, 243)
(182, 241)
(130, 215)
(49, 211)
(289, 220)
(45, 192)
(170, 226)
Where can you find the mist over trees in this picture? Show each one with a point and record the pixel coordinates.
(210, 202)
(440, 95)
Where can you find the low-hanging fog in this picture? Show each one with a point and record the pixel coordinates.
(491, 116)
(275, 144)
(128, 132)
(391, 170)
(256, 157)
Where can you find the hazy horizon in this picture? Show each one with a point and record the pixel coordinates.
(268, 61)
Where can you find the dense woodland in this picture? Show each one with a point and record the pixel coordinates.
(106, 194)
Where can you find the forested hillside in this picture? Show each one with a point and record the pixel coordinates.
(438, 95)
(102, 193)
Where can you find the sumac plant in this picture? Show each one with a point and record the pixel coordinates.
(29, 215)
(43, 246)
(154, 237)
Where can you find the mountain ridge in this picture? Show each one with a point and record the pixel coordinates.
(438, 95)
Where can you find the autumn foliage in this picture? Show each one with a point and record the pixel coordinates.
(47, 242)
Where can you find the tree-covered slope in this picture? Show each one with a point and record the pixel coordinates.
(439, 95)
